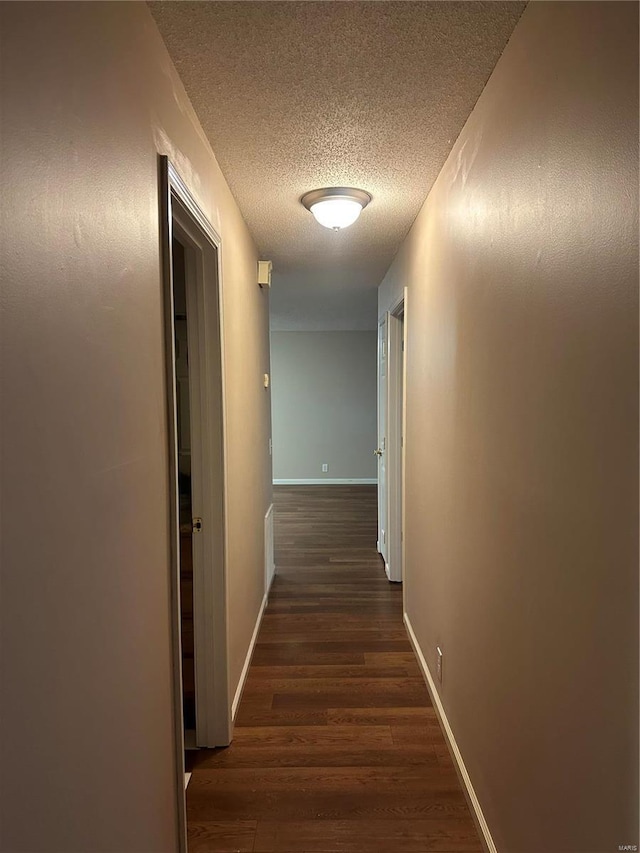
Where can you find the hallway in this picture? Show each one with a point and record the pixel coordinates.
(336, 746)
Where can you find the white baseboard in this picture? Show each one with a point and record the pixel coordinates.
(474, 802)
(247, 661)
(327, 482)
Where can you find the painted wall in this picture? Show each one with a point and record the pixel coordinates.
(522, 401)
(324, 404)
(89, 100)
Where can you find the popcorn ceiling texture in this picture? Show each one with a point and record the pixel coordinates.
(299, 95)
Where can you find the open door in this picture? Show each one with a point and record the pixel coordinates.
(382, 441)
(390, 450)
(394, 469)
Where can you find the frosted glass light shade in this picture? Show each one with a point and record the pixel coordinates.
(336, 207)
(336, 213)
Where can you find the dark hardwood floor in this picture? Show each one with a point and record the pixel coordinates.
(336, 746)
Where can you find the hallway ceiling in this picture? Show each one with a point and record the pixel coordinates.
(299, 95)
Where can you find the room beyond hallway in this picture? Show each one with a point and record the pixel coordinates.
(336, 746)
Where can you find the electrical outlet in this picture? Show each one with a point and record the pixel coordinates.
(270, 446)
(325, 467)
(439, 663)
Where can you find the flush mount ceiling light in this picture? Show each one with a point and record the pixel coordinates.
(336, 207)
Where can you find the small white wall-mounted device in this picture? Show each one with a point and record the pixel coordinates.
(265, 380)
(264, 273)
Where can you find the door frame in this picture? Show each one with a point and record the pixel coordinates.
(204, 277)
(392, 503)
(395, 431)
(382, 333)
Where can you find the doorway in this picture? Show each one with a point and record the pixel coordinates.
(391, 431)
(381, 450)
(196, 462)
(186, 513)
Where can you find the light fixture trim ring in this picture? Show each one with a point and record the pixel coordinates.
(314, 196)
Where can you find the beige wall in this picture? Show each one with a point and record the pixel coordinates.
(324, 404)
(522, 403)
(90, 98)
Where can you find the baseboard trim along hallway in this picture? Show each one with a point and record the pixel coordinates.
(472, 798)
(270, 570)
(247, 660)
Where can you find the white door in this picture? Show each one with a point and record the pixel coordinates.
(394, 442)
(382, 439)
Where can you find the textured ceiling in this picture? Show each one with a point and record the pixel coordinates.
(299, 95)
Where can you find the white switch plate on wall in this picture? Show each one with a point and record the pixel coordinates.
(325, 467)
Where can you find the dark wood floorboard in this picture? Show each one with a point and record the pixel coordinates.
(336, 748)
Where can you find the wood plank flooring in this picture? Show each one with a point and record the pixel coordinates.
(337, 748)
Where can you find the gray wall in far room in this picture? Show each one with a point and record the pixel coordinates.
(324, 405)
